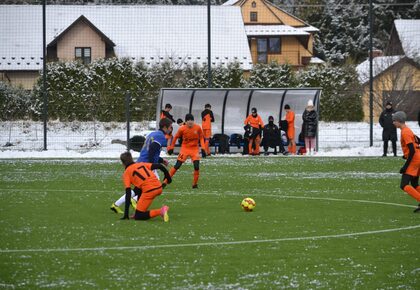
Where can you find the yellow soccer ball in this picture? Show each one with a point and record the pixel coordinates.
(248, 204)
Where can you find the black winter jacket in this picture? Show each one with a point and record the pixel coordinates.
(310, 123)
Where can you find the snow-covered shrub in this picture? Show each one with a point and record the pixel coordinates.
(272, 75)
(341, 98)
(15, 103)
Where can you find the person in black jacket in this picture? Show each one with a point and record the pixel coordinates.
(309, 127)
(389, 131)
(271, 137)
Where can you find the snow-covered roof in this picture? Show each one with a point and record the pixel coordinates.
(148, 33)
(409, 35)
(380, 64)
(309, 28)
(316, 60)
(230, 2)
(255, 30)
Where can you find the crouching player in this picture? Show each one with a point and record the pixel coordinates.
(146, 184)
(411, 169)
(150, 153)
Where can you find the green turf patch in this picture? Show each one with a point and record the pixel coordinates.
(319, 223)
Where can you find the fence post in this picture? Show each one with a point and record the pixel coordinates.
(128, 116)
(44, 73)
(370, 73)
(209, 80)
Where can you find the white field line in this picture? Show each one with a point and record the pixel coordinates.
(219, 194)
(101, 249)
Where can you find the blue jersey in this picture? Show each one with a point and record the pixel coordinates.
(152, 155)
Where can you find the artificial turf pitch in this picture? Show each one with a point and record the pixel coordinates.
(319, 223)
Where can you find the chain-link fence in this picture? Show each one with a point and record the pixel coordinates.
(97, 52)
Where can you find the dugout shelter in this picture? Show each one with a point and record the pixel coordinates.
(231, 106)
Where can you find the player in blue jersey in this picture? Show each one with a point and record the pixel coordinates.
(150, 153)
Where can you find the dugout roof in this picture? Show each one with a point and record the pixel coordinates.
(231, 106)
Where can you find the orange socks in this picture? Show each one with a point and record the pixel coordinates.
(413, 192)
(196, 175)
(154, 213)
(172, 171)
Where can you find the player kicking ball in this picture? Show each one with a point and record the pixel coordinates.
(141, 176)
(411, 169)
(192, 136)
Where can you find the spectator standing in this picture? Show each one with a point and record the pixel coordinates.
(310, 125)
(290, 118)
(389, 132)
(207, 118)
(255, 122)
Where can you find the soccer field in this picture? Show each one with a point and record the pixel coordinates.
(319, 223)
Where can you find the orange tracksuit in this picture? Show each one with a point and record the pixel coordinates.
(207, 118)
(140, 175)
(290, 118)
(255, 122)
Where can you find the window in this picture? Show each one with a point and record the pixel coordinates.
(262, 50)
(265, 46)
(254, 4)
(254, 16)
(83, 54)
(274, 45)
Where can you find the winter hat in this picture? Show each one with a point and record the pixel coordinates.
(399, 116)
(270, 118)
(253, 110)
(388, 104)
(310, 103)
(189, 117)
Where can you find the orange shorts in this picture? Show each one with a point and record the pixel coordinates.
(192, 153)
(207, 133)
(147, 198)
(414, 168)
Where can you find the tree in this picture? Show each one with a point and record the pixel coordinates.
(341, 98)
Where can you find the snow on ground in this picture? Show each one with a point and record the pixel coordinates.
(24, 139)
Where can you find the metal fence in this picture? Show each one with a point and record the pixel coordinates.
(95, 53)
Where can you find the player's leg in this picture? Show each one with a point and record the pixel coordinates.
(385, 147)
(250, 143)
(415, 184)
(308, 146)
(257, 144)
(181, 159)
(115, 207)
(196, 164)
(142, 209)
(409, 189)
(394, 147)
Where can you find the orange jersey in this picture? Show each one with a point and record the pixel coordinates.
(207, 118)
(191, 137)
(255, 122)
(290, 118)
(140, 175)
(407, 137)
